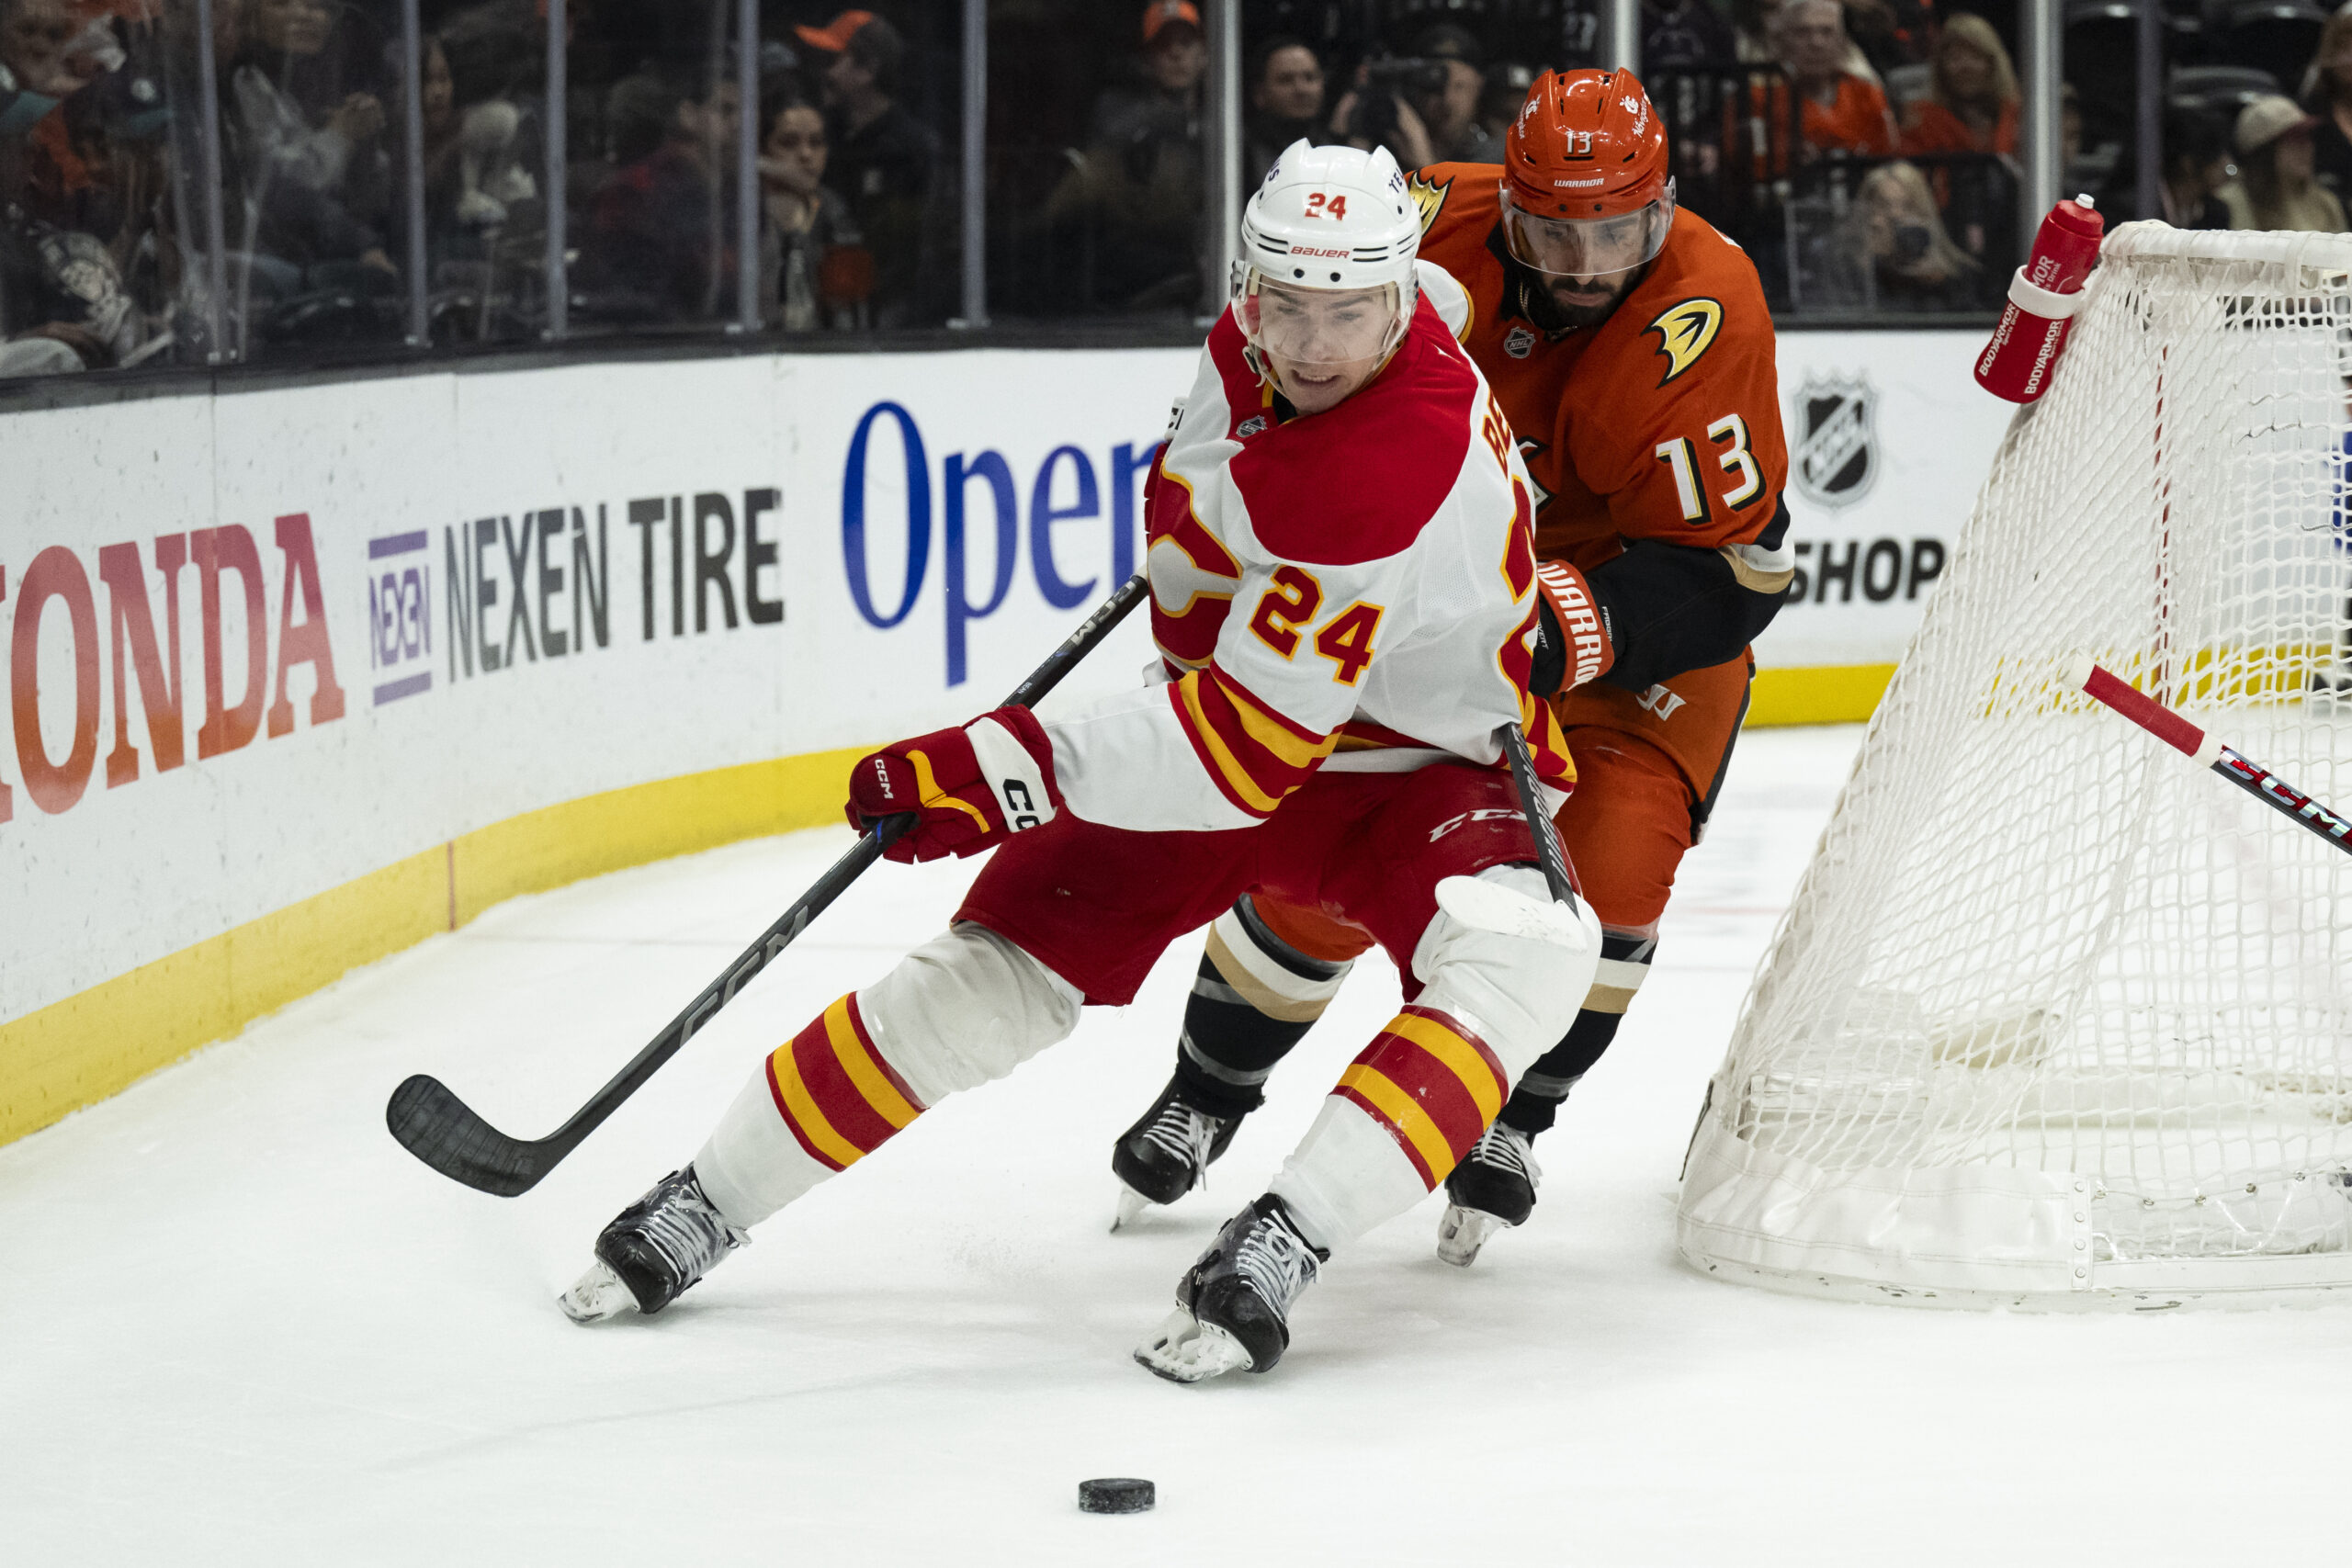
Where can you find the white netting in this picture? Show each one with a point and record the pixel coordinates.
(2054, 1012)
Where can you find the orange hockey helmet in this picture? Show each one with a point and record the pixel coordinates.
(1585, 190)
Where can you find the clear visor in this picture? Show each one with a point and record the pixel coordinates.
(1587, 248)
(1320, 326)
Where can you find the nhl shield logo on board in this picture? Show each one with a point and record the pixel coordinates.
(1834, 457)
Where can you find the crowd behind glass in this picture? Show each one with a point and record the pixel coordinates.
(199, 181)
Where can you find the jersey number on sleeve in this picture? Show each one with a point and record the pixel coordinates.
(1347, 641)
(1496, 429)
(1290, 604)
(1683, 459)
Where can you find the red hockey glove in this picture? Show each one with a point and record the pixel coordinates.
(972, 786)
(1577, 646)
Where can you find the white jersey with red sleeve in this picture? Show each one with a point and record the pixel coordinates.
(1352, 589)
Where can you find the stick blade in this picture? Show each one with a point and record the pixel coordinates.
(438, 1128)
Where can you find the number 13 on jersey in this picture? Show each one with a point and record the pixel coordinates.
(1730, 432)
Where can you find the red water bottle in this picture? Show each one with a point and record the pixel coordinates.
(2043, 297)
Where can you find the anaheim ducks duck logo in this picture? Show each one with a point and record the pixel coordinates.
(1684, 332)
(1427, 197)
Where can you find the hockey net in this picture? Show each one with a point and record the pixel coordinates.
(2055, 1016)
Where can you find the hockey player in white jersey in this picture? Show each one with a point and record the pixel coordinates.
(1344, 583)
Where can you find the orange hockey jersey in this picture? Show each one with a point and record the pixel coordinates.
(1661, 423)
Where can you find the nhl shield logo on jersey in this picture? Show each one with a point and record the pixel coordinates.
(1519, 342)
(1836, 454)
(1252, 425)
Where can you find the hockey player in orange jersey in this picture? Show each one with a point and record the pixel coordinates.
(1629, 344)
(1344, 600)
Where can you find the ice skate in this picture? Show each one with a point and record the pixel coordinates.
(652, 1251)
(1167, 1153)
(1232, 1306)
(1492, 1189)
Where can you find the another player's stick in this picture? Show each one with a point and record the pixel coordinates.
(1548, 852)
(441, 1130)
(2182, 735)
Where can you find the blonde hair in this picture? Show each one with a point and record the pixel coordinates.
(1918, 202)
(2334, 38)
(1976, 33)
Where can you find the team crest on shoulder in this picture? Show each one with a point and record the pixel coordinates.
(1427, 197)
(1685, 332)
(1519, 342)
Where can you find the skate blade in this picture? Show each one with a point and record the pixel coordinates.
(1185, 1350)
(1462, 1233)
(1132, 1205)
(596, 1296)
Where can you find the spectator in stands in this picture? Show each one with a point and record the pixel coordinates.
(2327, 94)
(1890, 33)
(815, 271)
(1141, 182)
(649, 234)
(36, 36)
(306, 99)
(2275, 188)
(1505, 93)
(1971, 102)
(884, 160)
(1448, 107)
(1285, 103)
(496, 51)
(1751, 26)
(53, 172)
(305, 178)
(1914, 264)
(1681, 35)
(1378, 111)
(2196, 167)
(1841, 112)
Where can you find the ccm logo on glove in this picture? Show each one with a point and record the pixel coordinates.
(968, 786)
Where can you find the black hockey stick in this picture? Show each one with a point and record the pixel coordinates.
(1548, 852)
(441, 1130)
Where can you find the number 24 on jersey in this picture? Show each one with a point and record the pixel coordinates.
(1290, 605)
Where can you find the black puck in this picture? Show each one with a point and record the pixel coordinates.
(1115, 1494)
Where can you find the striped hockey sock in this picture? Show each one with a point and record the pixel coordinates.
(1254, 997)
(1403, 1115)
(823, 1100)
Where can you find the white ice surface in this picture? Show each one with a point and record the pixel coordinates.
(239, 1324)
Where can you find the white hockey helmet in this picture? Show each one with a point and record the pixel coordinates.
(1335, 221)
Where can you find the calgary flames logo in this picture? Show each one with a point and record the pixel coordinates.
(1684, 332)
